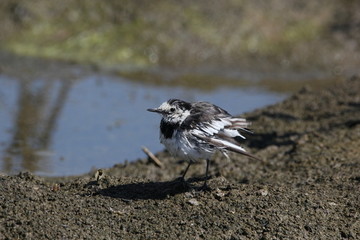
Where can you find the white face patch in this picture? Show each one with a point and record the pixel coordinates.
(165, 106)
(173, 113)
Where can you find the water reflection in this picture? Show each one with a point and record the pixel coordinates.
(39, 105)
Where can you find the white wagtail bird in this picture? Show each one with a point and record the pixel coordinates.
(194, 131)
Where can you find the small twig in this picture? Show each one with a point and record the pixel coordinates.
(153, 157)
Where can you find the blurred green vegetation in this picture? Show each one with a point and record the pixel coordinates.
(142, 33)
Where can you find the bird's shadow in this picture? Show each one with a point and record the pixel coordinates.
(149, 190)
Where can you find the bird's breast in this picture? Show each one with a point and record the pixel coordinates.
(168, 128)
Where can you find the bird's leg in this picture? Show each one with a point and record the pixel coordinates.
(182, 178)
(187, 168)
(205, 186)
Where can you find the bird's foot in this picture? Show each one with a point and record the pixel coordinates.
(205, 187)
(180, 179)
(182, 182)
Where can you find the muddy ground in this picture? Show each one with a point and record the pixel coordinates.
(306, 187)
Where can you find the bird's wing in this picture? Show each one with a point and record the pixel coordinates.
(217, 127)
(224, 135)
(203, 112)
(223, 132)
(224, 129)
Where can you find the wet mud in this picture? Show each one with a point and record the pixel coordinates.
(306, 186)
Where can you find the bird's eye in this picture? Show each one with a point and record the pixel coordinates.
(172, 109)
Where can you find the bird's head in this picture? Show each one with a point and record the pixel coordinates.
(174, 110)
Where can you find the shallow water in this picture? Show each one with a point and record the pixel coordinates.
(58, 119)
(101, 122)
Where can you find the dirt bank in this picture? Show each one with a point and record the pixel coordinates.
(307, 187)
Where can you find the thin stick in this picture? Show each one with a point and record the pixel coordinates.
(157, 161)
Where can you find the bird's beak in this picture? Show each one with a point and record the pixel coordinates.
(155, 110)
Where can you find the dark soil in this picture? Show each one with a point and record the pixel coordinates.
(306, 187)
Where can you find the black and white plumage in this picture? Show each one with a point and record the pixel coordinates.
(194, 131)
